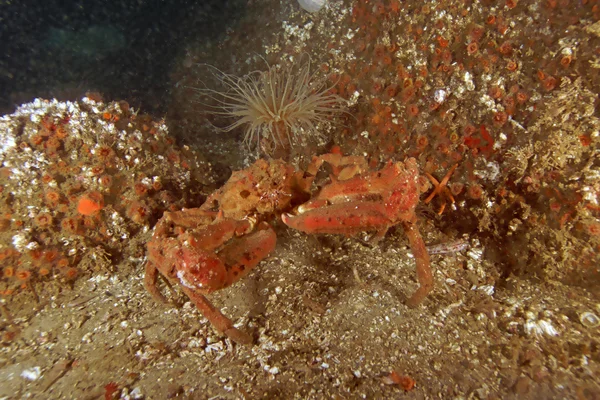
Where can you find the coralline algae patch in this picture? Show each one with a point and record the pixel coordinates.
(79, 181)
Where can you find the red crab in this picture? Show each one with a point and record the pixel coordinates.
(211, 247)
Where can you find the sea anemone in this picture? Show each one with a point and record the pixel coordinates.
(279, 105)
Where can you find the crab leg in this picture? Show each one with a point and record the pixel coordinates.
(424, 275)
(353, 217)
(236, 260)
(216, 318)
(199, 270)
(150, 278)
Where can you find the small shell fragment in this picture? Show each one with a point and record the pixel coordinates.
(540, 327)
(31, 374)
(475, 254)
(589, 320)
(312, 5)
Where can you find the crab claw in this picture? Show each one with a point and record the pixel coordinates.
(208, 271)
(347, 218)
(198, 269)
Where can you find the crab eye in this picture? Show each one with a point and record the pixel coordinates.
(244, 194)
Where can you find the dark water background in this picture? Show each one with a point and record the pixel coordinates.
(121, 49)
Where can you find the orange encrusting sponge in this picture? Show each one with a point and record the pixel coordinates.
(90, 203)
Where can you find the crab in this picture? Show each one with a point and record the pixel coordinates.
(211, 247)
